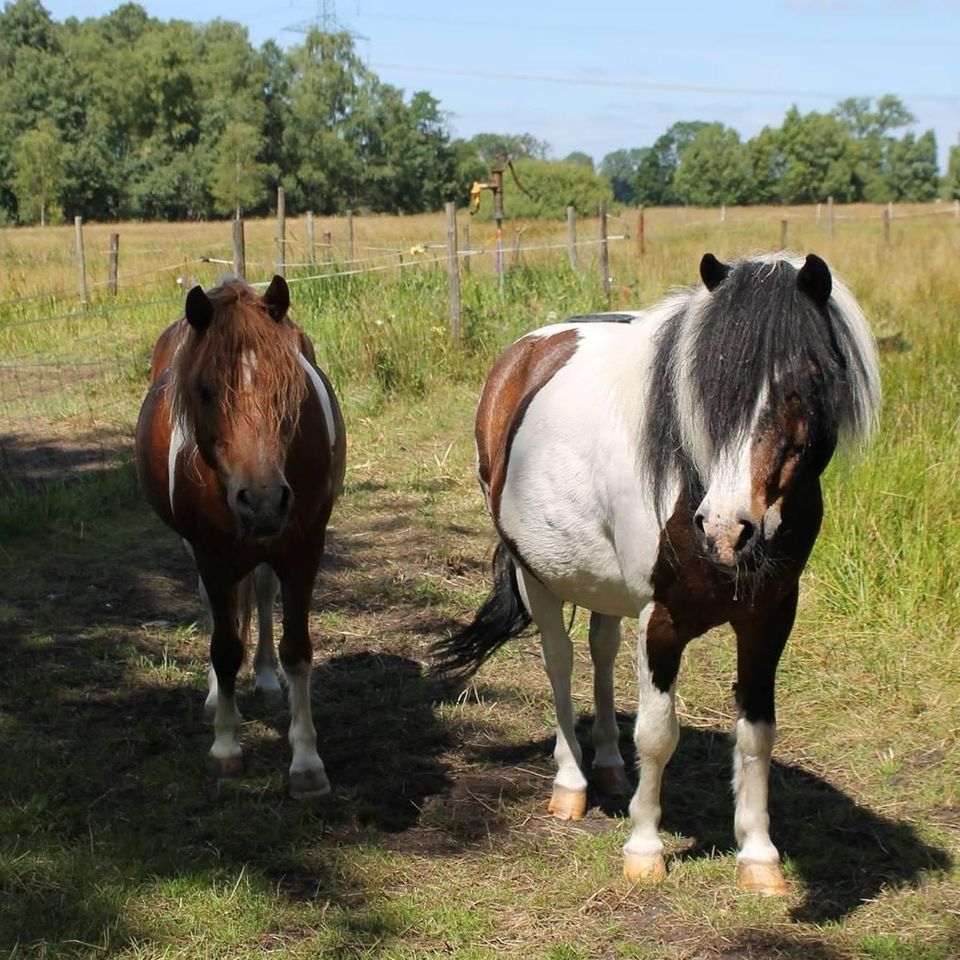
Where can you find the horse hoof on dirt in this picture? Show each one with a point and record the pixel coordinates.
(309, 784)
(765, 879)
(566, 804)
(644, 867)
(223, 768)
(611, 783)
(269, 686)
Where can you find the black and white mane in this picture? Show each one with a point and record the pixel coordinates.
(761, 330)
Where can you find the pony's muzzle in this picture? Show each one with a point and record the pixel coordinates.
(727, 541)
(262, 510)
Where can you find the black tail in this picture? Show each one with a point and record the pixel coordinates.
(501, 618)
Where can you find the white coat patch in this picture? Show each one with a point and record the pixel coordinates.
(178, 440)
(322, 395)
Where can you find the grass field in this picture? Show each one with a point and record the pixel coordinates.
(436, 842)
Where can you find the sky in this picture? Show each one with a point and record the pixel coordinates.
(601, 75)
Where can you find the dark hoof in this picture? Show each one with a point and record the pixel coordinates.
(223, 768)
(309, 784)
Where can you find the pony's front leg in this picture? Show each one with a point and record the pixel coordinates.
(226, 655)
(569, 798)
(607, 774)
(656, 735)
(266, 587)
(759, 645)
(308, 779)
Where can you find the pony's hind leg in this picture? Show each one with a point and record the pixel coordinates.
(656, 735)
(308, 779)
(759, 646)
(607, 775)
(266, 586)
(569, 798)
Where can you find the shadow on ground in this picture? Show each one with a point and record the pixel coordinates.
(102, 742)
(843, 852)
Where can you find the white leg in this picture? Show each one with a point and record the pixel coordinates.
(607, 774)
(569, 800)
(267, 586)
(657, 733)
(210, 704)
(225, 754)
(307, 776)
(759, 645)
(758, 862)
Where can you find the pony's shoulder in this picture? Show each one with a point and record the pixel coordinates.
(165, 348)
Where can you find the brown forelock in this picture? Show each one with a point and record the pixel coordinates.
(240, 324)
(514, 381)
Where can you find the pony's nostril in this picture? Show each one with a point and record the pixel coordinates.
(698, 521)
(747, 530)
(285, 496)
(243, 496)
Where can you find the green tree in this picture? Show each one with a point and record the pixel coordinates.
(951, 182)
(578, 156)
(620, 168)
(549, 187)
(658, 166)
(714, 168)
(239, 178)
(38, 173)
(767, 162)
(912, 168)
(819, 159)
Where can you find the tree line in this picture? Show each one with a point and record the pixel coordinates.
(128, 117)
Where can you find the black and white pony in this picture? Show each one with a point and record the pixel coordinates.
(668, 468)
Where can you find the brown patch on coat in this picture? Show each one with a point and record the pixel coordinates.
(697, 596)
(514, 381)
(778, 447)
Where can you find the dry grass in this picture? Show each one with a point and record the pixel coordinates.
(435, 842)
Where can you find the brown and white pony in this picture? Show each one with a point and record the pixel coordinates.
(240, 448)
(668, 468)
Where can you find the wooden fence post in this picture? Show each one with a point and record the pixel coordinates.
(311, 239)
(783, 234)
(327, 246)
(887, 214)
(830, 216)
(604, 253)
(466, 247)
(641, 232)
(572, 237)
(114, 264)
(453, 269)
(239, 251)
(81, 261)
(516, 246)
(350, 247)
(281, 232)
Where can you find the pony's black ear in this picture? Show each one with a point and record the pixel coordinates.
(199, 310)
(712, 271)
(814, 279)
(276, 298)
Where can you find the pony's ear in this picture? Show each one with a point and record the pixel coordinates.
(712, 271)
(814, 279)
(276, 298)
(199, 310)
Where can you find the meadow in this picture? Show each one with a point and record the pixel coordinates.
(436, 841)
